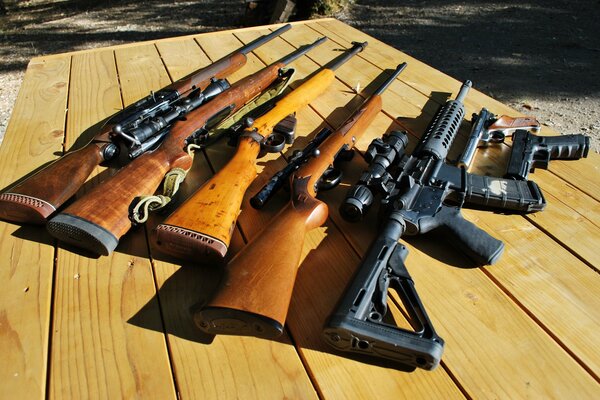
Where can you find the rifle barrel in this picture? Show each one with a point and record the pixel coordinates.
(389, 80)
(263, 39)
(302, 51)
(464, 89)
(356, 48)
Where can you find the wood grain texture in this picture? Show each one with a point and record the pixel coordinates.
(522, 328)
(95, 351)
(35, 132)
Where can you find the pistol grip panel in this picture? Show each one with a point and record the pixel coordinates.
(37, 197)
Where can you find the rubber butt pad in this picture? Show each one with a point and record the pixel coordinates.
(229, 321)
(82, 233)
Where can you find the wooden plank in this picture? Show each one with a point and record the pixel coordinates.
(92, 98)
(182, 57)
(94, 349)
(34, 134)
(140, 71)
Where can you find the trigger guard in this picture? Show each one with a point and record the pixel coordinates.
(330, 179)
(274, 143)
(497, 137)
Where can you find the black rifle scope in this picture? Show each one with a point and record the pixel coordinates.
(381, 154)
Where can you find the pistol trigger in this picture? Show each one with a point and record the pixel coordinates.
(330, 179)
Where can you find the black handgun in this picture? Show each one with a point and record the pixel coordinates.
(530, 151)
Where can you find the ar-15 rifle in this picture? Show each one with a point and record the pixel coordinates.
(421, 192)
(138, 128)
(203, 224)
(255, 295)
(97, 220)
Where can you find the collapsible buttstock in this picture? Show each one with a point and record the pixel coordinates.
(97, 221)
(34, 199)
(255, 295)
(204, 223)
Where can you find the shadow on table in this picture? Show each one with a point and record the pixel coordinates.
(322, 276)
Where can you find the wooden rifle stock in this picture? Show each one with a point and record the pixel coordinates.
(97, 221)
(203, 225)
(258, 283)
(35, 198)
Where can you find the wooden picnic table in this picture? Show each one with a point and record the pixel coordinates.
(75, 326)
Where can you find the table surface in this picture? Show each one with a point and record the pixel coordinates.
(72, 326)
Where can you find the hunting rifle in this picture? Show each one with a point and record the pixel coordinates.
(203, 225)
(138, 128)
(97, 220)
(255, 295)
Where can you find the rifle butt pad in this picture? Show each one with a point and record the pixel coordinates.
(408, 349)
(187, 244)
(229, 321)
(82, 233)
(21, 208)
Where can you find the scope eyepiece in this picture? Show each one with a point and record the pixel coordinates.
(357, 203)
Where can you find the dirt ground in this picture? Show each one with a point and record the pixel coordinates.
(541, 57)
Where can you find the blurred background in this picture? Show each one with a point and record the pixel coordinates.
(541, 57)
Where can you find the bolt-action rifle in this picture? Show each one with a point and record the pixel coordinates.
(97, 220)
(135, 130)
(255, 295)
(204, 223)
